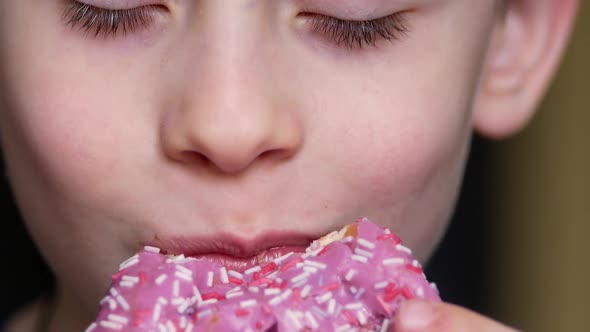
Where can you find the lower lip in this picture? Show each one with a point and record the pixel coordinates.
(243, 264)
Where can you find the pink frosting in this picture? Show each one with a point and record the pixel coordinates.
(353, 284)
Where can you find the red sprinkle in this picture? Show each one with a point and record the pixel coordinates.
(271, 267)
(407, 293)
(331, 286)
(389, 296)
(242, 312)
(291, 263)
(323, 251)
(349, 317)
(259, 325)
(296, 296)
(118, 275)
(235, 280)
(261, 281)
(212, 295)
(142, 278)
(413, 268)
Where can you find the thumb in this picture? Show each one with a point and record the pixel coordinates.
(426, 316)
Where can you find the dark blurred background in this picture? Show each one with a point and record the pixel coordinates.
(518, 247)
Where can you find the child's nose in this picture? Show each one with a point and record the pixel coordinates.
(231, 119)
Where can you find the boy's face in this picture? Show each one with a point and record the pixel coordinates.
(233, 117)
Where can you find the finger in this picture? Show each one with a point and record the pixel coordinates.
(425, 316)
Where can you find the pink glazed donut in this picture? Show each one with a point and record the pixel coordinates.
(350, 280)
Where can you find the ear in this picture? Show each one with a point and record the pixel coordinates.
(526, 49)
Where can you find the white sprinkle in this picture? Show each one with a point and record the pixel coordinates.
(177, 301)
(363, 252)
(248, 303)
(162, 300)
(305, 291)
(189, 327)
(385, 325)
(112, 304)
(275, 300)
(366, 243)
(182, 308)
(183, 276)
(253, 289)
(349, 275)
(210, 279)
(129, 262)
(110, 325)
(197, 294)
(324, 297)
(392, 261)
(223, 275)
(282, 258)
(342, 328)
(130, 278)
(331, 306)
(175, 288)
(123, 303)
(315, 264)
(310, 269)
(91, 327)
(354, 306)
(118, 319)
(420, 292)
(272, 291)
(353, 290)
(360, 315)
(113, 292)
(207, 302)
(162, 328)
(230, 295)
(415, 263)
(182, 323)
(381, 285)
(315, 252)
(403, 248)
(347, 239)
(184, 269)
(235, 289)
(311, 319)
(170, 326)
(253, 269)
(152, 249)
(299, 277)
(235, 274)
(295, 320)
(433, 286)
(204, 313)
(156, 312)
(359, 294)
(160, 279)
(361, 259)
(286, 294)
(126, 283)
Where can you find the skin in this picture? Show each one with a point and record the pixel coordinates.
(196, 125)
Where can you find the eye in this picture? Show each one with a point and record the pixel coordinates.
(109, 22)
(358, 34)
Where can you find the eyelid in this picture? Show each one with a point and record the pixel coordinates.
(120, 4)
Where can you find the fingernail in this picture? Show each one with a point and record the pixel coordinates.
(417, 315)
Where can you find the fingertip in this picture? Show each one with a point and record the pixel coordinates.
(417, 315)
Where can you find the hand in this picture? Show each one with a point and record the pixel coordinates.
(425, 316)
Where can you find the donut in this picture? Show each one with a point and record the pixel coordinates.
(353, 279)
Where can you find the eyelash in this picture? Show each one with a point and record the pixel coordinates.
(351, 34)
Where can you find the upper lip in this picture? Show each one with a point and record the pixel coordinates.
(231, 245)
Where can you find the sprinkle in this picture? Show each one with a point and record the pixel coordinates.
(299, 277)
(282, 258)
(358, 294)
(361, 317)
(324, 297)
(295, 320)
(197, 294)
(204, 313)
(272, 291)
(271, 267)
(175, 288)
(311, 319)
(184, 276)
(420, 292)
(112, 304)
(156, 312)
(291, 263)
(251, 270)
(182, 308)
(110, 325)
(354, 306)
(381, 285)
(155, 250)
(189, 327)
(184, 269)
(117, 318)
(160, 279)
(129, 262)
(230, 295)
(170, 326)
(248, 303)
(385, 325)
(286, 294)
(253, 289)
(364, 253)
(361, 259)
(235, 274)
(223, 275)
(125, 283)
(403, 248)
(315, 264)
(210, 279)
(305, 291)
(235, 281)
(123, 303)
(275, 300)
(162, 327)
(349, 275)
(342, 328)
(162, 300)
(310, 269)
(241, 312)
(392, 261)
(130, 278)
(433, 286)
(331, 306)
(91, 327)
(366, 243)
